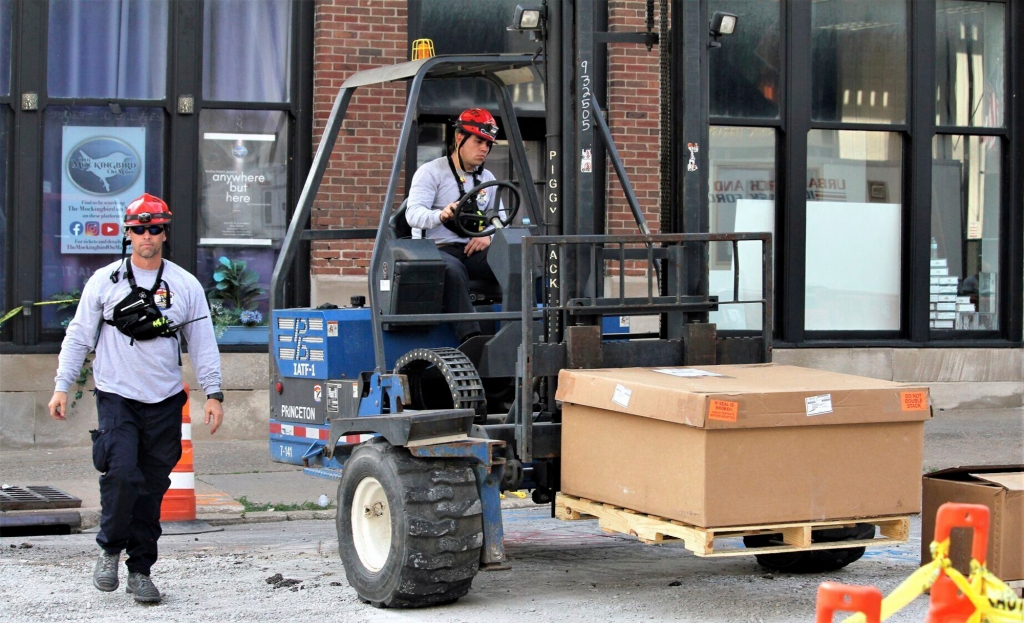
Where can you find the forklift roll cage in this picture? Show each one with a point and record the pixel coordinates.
(496, 69)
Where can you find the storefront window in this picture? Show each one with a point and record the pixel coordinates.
(859, 61)
(966, 184)
(970, 63)
(243, 213)
(745, 73)
(94, 163)
(247, 49)
(107, 48)
(853, 240)
(742, 199)
(472, 27)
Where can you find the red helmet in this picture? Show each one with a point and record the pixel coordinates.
(478, 122)
(147, 210)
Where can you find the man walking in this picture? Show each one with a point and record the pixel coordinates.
(133, 312)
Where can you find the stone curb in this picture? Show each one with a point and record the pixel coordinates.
(216, 516)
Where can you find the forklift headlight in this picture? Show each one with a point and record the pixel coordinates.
(528, 18)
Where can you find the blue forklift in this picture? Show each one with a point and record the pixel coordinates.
(423, 433)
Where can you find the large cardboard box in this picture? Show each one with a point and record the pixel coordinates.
(1001, 489)
(718, 446)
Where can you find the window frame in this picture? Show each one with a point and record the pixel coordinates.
(1007, 228)
(917, 136)
(900, 129)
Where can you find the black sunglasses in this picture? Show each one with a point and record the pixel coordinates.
(154, 230)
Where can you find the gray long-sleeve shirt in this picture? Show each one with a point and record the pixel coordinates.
(433, 187)
(145, 371)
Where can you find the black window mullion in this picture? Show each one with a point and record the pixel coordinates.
(11, 100)
(859, 127)
(744, 122)
(1013, 189)
(181, 174)
(302, 137)
(25, 222)
(917, 267)
(104, 101)
(971, 130)
(793, 201)
(246, 105)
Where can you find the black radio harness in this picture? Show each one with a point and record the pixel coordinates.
(139, 317)
(461, 182)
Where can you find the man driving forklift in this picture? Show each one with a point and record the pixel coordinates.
(435, 191)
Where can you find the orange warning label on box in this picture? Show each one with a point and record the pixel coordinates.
(914, 401)
(723, 410)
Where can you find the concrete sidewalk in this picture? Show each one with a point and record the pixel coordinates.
(227, 471)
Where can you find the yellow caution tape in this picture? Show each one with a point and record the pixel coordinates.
(9, 315)
(994, 601)
(14, 312)
(519, 494)
(908, 590)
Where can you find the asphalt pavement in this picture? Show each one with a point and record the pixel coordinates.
(228, 471)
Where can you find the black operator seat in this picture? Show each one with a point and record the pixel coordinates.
(481, 291)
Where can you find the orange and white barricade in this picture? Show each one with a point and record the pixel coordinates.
(179, 502)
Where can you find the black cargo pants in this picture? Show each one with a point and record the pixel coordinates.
(135, 448)
(459, 268)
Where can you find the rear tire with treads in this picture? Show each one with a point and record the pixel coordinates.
(814, 561)
(410, 530)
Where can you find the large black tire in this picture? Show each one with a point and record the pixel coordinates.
(436, 528)
(815, 561)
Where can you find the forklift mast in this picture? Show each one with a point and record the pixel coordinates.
(575, 45)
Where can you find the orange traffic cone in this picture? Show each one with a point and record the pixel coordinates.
(179, 502)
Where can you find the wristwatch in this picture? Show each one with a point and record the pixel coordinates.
(218, 396)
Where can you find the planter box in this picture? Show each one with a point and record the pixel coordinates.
(245, 335)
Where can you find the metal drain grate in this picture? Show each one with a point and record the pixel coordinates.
(35, 497)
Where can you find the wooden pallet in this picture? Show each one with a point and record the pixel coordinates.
(701, 541)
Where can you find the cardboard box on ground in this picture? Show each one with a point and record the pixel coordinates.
(1001, 489)
(716, 446)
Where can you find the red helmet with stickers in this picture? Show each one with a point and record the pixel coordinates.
(478, 122)
(147, 210)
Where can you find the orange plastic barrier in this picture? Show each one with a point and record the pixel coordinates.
(834, 597)
(947, 603)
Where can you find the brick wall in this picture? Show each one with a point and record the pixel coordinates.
(633, 116)
(351, 35)
(633, 108)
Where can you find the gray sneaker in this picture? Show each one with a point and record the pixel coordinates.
(104, 574)
(143, 588)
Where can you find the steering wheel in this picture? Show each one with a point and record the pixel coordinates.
(491, 218)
